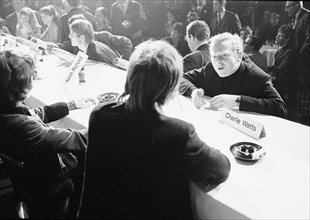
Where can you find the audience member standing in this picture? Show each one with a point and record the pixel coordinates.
(301, 26)
(12, 19)
(75, 8)
(128, 19)
(28, 25)
(140, 165)
(205, 11)
(197, 35)
(171, 20)
(223, 20)
(50, 19)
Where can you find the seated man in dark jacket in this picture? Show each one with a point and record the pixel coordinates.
(25, 136)
(283, 73)
(232, 82)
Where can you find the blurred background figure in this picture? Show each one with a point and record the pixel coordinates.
(205, 10)
(50, 20)
(245, 32)
(283, 73)
(12, 19)
(252, 45)
(250, 18)
(268, 32)
(128, 19)
(171, 20)
(102, 22)
(59, 6)
(28, 25)
(223, 20)
(192, 16)
(177, 38)
(3, 28)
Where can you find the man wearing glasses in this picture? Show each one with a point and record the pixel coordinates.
(301, 27)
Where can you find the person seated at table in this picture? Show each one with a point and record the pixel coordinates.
(197, 35)
(82, 36)
(284, 76)
(139, 161)
(28, 25)
(268, 31)
(252, 45)
(50, 19)
(119, 44)
(177, 40)
(245, 32)
(231, 81)
(25, 136)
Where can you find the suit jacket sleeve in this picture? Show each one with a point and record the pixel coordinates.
(191, 61)
(191, 80)
(236, 25)
(268, 101)
(207, 166)
(121, 44)
(305, 49)
(52, 112)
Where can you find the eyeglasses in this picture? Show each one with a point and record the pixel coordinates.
(288, 6)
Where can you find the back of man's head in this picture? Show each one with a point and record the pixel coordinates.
(74, 3)
(83, 27)
(199, 30)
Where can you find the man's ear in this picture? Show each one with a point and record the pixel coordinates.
(82, 37)
(240, 55)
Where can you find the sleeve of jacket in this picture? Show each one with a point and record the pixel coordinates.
(305, 49)
(139, 19)
(189, 63)
(267, 102)
(52, 112)
(286, 64)
(207, 167)
(121, 44)
(236, 25)
(191, 80)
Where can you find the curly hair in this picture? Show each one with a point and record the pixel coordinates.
(17, 72)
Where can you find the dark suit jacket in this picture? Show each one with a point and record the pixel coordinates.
(11, 22)
(284, 69)
(197, 59)
(25, 137)
(139, 165)
(302, 34)
(230, 23)
(182, 46)
(249, 81)
(132, 14)
(64, 30)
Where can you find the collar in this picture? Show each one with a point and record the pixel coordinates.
(201, 45)
(222, 13)
(297, 14)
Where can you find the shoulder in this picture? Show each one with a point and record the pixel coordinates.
(253, 72)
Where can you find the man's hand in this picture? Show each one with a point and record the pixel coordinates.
(84, 102)
(197, 99)
(224, 101)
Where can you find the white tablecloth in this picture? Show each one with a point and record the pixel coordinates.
(269, 52)
(276, 187)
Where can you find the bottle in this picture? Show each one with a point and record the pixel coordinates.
(82, 76)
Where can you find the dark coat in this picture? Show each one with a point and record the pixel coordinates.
(249, 81)
(284, 70)
(138, 165)
(230, 23)
(197, 59)
(25, 137)
(11, 22)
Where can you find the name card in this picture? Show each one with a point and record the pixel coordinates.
(243, 124)
(76, 66)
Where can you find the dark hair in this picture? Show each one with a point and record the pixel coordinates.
(179, 27)
(74, 3)
(154, 71)
(104, 11)
(75, 17)
(287, 31)
(199, 29)
(256, 42)
(17, 72)
(83, 27)
(51, 11)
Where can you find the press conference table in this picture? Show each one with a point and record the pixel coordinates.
(275, 187)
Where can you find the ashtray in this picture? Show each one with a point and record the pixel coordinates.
(248, 151)
(107, 97)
